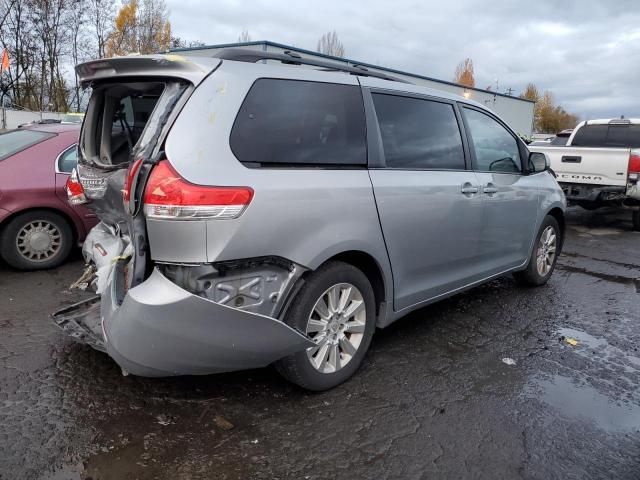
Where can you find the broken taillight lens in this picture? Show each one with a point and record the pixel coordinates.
(75, 190)
(169, 196)
(128, 183)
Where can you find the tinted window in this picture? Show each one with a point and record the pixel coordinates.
(418, 133)
(290, 122)
(68, 160)
(496, 150)
(559, 140)
(623, 136)
(590, 136)
(17, 140)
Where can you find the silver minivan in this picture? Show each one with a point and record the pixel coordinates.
(260, 208)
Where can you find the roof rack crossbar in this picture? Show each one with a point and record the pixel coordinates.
(293, 58)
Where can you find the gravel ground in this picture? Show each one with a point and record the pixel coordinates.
(434, 398)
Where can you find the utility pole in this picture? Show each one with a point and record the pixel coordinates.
(509, 91)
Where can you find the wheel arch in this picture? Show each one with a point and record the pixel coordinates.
(558, 214)
(368, 265)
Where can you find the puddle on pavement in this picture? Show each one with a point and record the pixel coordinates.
(581, 401)
(600, 349)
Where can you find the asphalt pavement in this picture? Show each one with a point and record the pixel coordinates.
(498, 382)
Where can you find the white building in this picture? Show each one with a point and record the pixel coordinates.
(517, 112)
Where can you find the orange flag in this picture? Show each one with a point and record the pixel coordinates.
(5, 61)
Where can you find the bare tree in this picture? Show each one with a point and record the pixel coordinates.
(329, 44)
(177, 42)
(79, 48)
(244, 36)
(101, 15)
(464, 73)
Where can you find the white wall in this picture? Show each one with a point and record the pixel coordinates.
(18, 117)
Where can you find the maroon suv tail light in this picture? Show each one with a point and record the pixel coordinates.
(169, 196)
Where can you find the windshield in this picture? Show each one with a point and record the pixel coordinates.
(17, 140)
(73, 118)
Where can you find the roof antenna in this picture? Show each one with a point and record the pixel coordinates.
(621, 117)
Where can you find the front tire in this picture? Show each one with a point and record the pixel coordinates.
(336, 309)
(544, 255)
(36, 240)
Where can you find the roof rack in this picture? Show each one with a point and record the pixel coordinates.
(292, 58)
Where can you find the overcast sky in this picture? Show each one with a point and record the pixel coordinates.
(587, 54)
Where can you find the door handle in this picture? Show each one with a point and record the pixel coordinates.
(468, 189)
(489, 189)
(571, 159)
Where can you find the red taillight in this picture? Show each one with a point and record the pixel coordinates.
(131, 175)
(634, 162)
(169, 196)
(75, 190)
(633, 169)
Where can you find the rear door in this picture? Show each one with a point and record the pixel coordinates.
(510, 196)
(428, 201)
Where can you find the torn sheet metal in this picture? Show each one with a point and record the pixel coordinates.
(81, 321)
(258, 285)
(103, 247)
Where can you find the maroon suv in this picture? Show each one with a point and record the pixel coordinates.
(38, 227)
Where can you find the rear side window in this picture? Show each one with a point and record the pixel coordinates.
(17, 140)
(419, 134)
(614, 135)
(496, 150)
(627, 136)
(590, 136)
(298, 123)
(68, 160)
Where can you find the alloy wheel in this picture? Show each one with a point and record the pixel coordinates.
(546, 251)
(336, 325)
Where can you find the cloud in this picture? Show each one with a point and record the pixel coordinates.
(587, 53)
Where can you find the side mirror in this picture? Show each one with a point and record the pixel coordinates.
(538, 162)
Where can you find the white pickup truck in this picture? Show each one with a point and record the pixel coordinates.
(600, 164)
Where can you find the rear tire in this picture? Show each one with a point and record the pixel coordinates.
(544, 255)
(635, 218)
(36, 240)
(336, 309)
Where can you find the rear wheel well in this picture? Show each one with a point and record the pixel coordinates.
(64, 216)
(367, 265)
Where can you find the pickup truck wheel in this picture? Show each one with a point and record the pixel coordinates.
(336, 310)
(544, 255)
(36, 240)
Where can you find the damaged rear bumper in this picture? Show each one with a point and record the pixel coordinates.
(161, 329)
